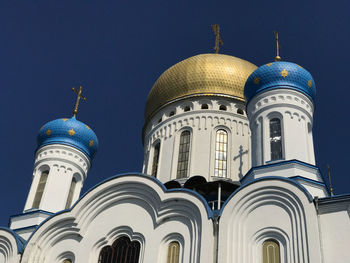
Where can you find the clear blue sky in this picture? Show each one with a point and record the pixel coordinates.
(117, 49)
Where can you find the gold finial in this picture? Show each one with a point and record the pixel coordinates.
(80, 96)
(277, 58)
(218, 40)
(329, 179)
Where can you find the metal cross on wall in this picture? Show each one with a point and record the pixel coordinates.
(80, 96)
(218, 40)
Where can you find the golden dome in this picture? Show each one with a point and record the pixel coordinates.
(205, 74)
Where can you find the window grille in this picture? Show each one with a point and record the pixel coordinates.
(123, 250)
(275, 139)
(271, 252)
(173, 252)
(221, 153)
(184, 152)
(155, 159)
(71, 193)
(40, 189)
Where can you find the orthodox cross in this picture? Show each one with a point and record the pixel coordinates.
(240, 156)
(218, 40)
(277, 58)
(80, 96)
(330, 182)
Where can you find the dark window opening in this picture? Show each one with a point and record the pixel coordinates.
(123, 250)
(171, 113)
(184, 152)
(223, 107)
(155, 159)
(187, 108)
(205, 106)
(240, 111)
(275, 139)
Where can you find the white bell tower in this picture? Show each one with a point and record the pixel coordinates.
(63, 158)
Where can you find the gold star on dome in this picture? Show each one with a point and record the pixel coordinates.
(256, 80)
(71, 132)
(48, 132)
(91, 143)
(299, 66)
(87, 127)
(284, 73)
(269, 64)
(64, 119)
(309, 83)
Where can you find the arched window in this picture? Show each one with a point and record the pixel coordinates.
(271, 252)
(123, 250)
(172, 113)
(184, 152)
(156, 151)
(67, 261)
(223, 107)
(71, 193)
(275, 139)
(187, 108)
(40, 189)
(240, 111)
(205, 106)
(173, 252)
(221, 153)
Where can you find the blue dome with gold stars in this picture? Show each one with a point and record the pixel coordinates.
(277, 75)
(69, 132)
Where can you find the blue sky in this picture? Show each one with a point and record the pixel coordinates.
(117, 50)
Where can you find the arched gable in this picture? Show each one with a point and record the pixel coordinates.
(269, 208)
(133, 205)
(11, 245)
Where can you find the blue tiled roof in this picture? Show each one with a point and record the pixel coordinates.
(69, 132)
(278, 75)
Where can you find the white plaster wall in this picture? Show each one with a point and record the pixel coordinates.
(269, 209)
(203, 124)
(335, 233)
(131, 205)
(296, 113)
(62, 162)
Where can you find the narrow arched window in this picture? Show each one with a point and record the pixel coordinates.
(40, 189)
(187, 108)
(240, 111)
(223, 107)
(271, 252)
(156, 151)
(205, 106)
(71, 193)
(275, 139)
(123, 250)
(184, 152)
(173, 252)
(221, 153)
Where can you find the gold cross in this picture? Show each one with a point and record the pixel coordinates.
(80, 96)
(329, 180)
(218, 40)
(277, 58)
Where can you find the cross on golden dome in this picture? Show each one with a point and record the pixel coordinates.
(80, 96)
(218, 40)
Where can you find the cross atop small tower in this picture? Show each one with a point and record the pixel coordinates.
(80, 96)
(277, 58)
(218, 40)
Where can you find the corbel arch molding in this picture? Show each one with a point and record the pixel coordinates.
(11, 245)
(269, 208)
(133, 194)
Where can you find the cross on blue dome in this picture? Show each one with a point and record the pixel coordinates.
(277, 75)
(69, 132)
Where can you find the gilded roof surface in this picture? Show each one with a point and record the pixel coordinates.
(205, 74)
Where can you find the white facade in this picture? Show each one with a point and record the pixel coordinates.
(212, 217)
(202, 125)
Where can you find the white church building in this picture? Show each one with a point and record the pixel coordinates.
(229, 176)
